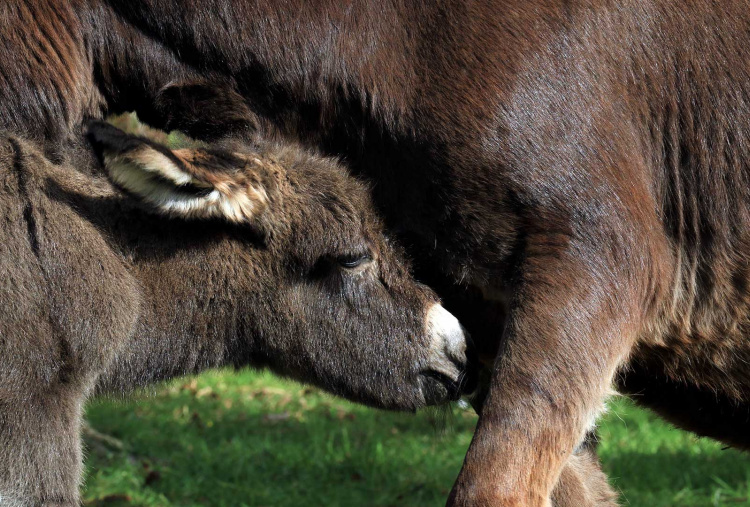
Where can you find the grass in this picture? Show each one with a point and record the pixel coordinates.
(249, 438)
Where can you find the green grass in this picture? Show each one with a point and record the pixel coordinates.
(233, 439)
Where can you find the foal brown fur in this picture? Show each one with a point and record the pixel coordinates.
(104, 291)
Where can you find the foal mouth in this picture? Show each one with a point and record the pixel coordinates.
(440, 387)
(451, 369)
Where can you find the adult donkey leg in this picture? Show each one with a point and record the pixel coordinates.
(40, 450)
(582, 482)
(576, 311)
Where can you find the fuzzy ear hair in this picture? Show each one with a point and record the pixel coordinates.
(185, 183)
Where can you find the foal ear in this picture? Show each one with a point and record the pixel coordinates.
(190, 183)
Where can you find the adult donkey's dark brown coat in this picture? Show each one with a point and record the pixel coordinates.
(582, 164)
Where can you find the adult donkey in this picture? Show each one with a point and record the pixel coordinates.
(268, 256)
(580, 165)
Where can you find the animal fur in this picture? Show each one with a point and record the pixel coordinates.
(105, 290)
(581, 166)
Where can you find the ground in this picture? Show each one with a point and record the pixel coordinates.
(251, 439)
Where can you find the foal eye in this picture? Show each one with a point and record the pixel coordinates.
(354, 261)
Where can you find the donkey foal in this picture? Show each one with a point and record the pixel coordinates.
(244, 255)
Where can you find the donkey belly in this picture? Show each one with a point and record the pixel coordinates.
(698, 380)
(687, 405)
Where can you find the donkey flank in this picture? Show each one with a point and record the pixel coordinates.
(584, 162)
(267, 256)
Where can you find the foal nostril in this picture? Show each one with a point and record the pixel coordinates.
(447, 343)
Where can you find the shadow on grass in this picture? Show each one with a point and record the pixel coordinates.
(655, 464)
(680, 478)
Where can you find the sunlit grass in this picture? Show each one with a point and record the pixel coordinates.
(249, 438)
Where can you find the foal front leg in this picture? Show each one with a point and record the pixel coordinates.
(573, 318)
(40, 450)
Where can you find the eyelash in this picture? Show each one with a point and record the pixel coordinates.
(353, 261)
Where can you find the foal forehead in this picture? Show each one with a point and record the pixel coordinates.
(319, 189)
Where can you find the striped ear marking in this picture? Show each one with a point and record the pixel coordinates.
(183, 183)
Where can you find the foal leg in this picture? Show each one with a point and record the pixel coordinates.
(40, 450)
